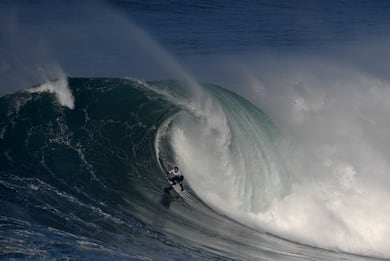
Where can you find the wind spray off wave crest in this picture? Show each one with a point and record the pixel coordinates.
(58, 87)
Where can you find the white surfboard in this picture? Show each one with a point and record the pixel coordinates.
(186, 195)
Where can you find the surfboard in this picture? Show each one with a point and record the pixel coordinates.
(186, 195)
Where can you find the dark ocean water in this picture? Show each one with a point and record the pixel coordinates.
(284, 148)
(231, 26)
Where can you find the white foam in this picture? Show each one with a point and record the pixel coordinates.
(338, 161)
(61, 90)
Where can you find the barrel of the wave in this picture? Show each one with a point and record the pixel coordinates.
(228, 149)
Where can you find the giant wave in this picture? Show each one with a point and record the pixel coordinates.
(83, 178)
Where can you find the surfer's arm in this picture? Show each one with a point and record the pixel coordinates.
(169, 173)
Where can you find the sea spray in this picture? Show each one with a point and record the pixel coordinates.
(58, 87)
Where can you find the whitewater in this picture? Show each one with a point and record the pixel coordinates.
(319, 185)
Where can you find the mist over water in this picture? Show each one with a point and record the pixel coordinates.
(333, 119)
(336, 120)
(314, 168)
(332, 111)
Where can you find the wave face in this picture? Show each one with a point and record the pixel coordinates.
(85, 181)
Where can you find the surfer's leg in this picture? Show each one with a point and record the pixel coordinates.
(173, 180)
(180, 179)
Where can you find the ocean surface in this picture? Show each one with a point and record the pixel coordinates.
(276, 112)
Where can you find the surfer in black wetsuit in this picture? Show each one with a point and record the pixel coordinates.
(176, 175)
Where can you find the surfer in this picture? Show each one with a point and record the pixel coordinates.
(176, 175)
